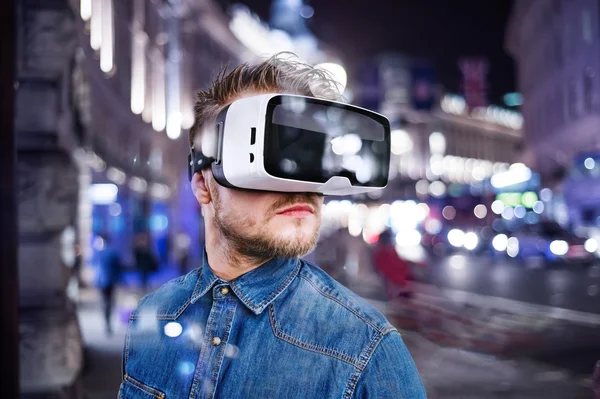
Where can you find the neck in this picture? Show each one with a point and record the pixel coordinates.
(225, 261)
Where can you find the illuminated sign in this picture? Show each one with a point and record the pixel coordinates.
(103, 194)
(527, 199)
(456, 105)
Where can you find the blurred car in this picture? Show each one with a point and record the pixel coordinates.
(457, 239)
(546, 242)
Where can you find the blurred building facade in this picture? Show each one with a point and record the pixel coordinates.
(104, 92)
(436, 138)
(556, 46)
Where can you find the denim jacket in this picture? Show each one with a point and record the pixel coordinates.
(283, 330)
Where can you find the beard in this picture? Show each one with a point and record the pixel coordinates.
(245, 236)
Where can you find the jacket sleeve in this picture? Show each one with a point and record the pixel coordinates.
(390, 372)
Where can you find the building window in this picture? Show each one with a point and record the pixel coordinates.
(588, 88)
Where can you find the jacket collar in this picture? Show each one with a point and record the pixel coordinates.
(256, 289)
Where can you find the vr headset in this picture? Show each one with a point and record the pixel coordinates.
(290, 143)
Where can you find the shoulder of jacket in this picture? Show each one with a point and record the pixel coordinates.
(334, 294)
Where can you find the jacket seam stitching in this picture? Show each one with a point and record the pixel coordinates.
(168, 316)
(304, 345)
(163, 316)
(202, 354)
(127, 343)
(196, 293)
(144, 388)
(371, 348)
(370, 323)
(273, 295)
(222, 349)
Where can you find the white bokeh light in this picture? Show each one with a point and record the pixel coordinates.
(497, 207)
(437, 143)
(512, 248)
(173, 329)
(559, 247)
(401, 142)
(337, 72)
(500, 242)
(480, 211)
(591, 245)
(589, 163)
(471, 241)
(456, 238)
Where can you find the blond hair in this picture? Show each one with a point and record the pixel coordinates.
(282, 73)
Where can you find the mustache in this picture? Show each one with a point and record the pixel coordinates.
(294, 198)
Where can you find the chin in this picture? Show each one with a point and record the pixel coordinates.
(293, 233)
(296, 232)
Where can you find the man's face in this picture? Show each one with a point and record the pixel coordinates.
(266, 224)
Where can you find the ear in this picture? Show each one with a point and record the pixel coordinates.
(200, 188)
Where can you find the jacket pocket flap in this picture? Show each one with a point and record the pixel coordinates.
(133, 389)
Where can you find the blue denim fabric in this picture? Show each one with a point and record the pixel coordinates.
(283, 330)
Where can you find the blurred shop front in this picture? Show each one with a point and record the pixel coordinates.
(119, 206)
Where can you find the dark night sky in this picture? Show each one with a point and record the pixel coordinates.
(437, 30)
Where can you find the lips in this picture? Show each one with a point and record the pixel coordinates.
(297, 210)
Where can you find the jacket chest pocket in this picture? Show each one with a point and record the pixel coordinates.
(133, 389)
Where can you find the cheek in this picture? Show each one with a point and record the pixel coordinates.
(246, 204)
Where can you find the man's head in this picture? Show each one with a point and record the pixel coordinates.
(259, 224)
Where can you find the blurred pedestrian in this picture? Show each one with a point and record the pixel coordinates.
(392, 267)
(109, 272)
(145, 261)
(78, 262)
(182, 251)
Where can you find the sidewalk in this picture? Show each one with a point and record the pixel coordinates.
(102, 371)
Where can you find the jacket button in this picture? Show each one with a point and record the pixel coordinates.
(224, 290)
(216, 341)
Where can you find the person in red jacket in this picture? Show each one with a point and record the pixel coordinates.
(394, 269)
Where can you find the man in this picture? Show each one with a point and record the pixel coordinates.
(256, 321)
(109, 272)
(145, 261)
(182, 251)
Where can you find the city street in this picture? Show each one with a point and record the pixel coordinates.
(439, 159)
(567, 286)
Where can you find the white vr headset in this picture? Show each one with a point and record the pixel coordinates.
(290, 143)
